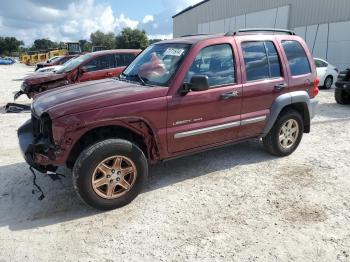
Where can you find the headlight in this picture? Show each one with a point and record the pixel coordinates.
(46, 126)
(24, 86)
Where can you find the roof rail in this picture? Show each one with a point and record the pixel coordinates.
(192, 35)
(260, 30)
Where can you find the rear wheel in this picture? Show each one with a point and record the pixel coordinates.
(110, 173)
(328, 82)
(341, 96)
(285, 135)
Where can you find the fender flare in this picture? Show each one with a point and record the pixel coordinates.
(285, 100)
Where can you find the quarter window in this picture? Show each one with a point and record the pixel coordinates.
(261, 60)
(217, 63)
(320, 63)
(297, 59)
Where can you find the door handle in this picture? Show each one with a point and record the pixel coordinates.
(229, 95)
(280, 87)
(109, 74)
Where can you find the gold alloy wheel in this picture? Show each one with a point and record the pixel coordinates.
(114, 177)
(288, 134)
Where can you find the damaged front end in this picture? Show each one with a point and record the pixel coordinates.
(25, 89)
(36, 143)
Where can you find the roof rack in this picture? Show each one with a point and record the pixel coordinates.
(260, 30)
(192, 35)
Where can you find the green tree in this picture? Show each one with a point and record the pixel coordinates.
(85, 45)
(82, 43)
(132, 38)
(43, 44)
(101, 39)
(61, 45)
(9, 45)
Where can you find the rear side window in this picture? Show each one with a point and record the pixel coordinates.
(124, 59)
(297, 59)
(101, 63)
(261, 60)
(320, 63)
(217, 63)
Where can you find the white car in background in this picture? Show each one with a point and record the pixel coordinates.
(327, 73)
(48, 69)
(52, 69)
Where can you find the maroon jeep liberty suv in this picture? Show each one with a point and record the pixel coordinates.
(177, 97)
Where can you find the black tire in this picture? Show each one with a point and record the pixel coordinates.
(328, 82)
(341, 96)
(91, 157)
(271, 140)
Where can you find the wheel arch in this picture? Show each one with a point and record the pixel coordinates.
(298, 100)
(136, 131)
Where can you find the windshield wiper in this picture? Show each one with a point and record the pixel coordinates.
(139, 78)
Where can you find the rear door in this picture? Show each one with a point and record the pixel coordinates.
(99, 67)
(199, 119)
(264, 78)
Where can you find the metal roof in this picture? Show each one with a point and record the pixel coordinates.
(190, 7)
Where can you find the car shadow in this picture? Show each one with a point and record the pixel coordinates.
(20, 209)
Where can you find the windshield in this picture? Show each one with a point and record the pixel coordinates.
(156, 65)
(73, 63)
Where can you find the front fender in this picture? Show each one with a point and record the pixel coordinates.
(67, 132)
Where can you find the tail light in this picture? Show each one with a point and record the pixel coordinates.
(315, 89)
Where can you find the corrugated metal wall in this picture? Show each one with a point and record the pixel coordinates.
(302, 12)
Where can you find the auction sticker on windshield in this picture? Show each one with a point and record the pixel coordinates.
(174, 51)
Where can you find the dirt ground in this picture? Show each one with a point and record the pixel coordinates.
(232, 204)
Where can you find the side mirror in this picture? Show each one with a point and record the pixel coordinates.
(197, 83)
(83, 70)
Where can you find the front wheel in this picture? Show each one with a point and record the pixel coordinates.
(110, 173)
(285, 136)
(341, 96)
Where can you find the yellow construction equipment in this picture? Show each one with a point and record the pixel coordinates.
(34, 57)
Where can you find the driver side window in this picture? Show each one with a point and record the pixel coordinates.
(217, 63)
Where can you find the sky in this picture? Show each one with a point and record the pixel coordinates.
(72, 20)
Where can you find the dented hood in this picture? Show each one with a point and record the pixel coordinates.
(43, 78)
(92, 95)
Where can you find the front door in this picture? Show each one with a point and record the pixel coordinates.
(100, 67)
(199, 119)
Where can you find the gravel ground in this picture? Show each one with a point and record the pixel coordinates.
(236, 203)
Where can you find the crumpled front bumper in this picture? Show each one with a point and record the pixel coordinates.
(24, 90)
(25, 138)
(31, 149)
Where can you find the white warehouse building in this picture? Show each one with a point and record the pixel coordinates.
(324, 24)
